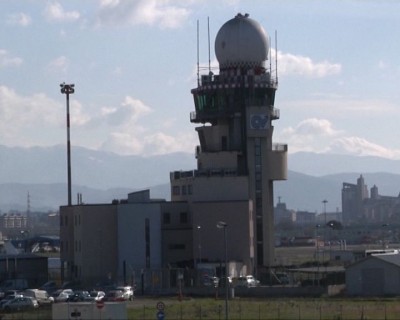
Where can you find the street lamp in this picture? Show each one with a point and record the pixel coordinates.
(68, 89)
(224, 225)
(324, 202)
(199, 234)
(317, 255)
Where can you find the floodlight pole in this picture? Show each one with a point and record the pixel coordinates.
(68, 89)
(223, 225)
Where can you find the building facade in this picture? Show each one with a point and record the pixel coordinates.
(237, 164)
(236, 158)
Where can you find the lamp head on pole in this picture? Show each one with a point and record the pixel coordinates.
(221, 224)
(67, 88)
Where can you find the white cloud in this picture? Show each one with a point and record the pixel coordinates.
(55, 12)
(290, 64)
(162, 13)
(131, 131)
(320, 136)
(361, 147)
(21, 19)
(59, 64)
(19, 115)
(162, 143)
(7, 61)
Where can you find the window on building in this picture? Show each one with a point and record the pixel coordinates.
(61, 221)
(66, 220)
(190, 189)
(176, 191)
(166, 218)
(184, 190)
(224, 143)
(183, 217)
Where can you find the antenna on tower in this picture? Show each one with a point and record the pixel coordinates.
(28, 209)
(198, 55)
(276, 56)
(270, 57)
(209, 54)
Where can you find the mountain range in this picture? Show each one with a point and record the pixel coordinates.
(102, 176)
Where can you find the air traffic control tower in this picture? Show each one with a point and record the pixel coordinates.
(236, 159)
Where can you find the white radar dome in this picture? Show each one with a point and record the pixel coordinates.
(241, 42)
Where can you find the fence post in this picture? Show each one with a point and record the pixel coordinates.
(299, 313)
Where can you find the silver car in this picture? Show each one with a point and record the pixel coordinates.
(128, 292)
(19, 304)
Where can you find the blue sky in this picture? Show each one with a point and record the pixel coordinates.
(134, 62)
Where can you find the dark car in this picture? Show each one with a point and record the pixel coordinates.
(96, 296)
(20, 303)
(49, 286)
(78, 295)
(114, 295)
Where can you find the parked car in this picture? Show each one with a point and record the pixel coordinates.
(62, 295)
(210, 281)
(20, 303)
(246, 281)
(96, 296)
(8, 298)
(251, 281)
(41, 296)
(49, 286)
(12, 284)
(128, 292)
(223, 280)
(78, 295)
(114, 295)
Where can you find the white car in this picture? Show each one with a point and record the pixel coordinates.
(96, 296)
(62, 295)
(128, 292)
(246, 281)
(251, 281)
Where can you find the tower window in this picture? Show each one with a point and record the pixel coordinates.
(167, 218)
(183, 217)
(176, 190)
(224, 143)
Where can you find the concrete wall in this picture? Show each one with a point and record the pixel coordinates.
(132, 238)
(238, 216)
(373, 277)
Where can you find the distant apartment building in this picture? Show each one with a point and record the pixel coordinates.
(358, 206)
(353, 196)
(13, 221)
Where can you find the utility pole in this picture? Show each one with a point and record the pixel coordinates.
(68, 89)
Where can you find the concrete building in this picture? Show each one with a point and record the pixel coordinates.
(376, 275)
(353, 196)
(237, 164)
(360, 205)
(236, 158)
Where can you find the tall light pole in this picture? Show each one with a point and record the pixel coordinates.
(325, 202)
(199, 234)
(224, 225)
(68, 89)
